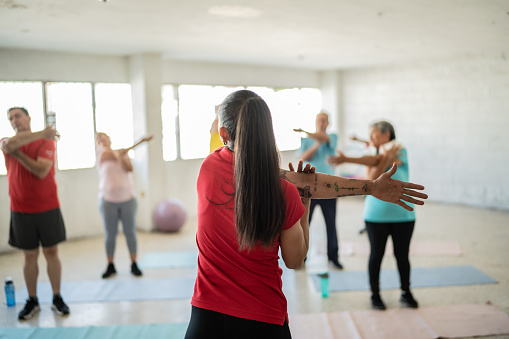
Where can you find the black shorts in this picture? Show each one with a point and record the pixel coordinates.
(28, 230)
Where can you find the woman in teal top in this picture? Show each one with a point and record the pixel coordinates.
(383, 219)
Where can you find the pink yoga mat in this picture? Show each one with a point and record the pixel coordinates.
(449, 321)
(417, 248)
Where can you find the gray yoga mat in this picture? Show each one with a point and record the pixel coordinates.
(169, 259)
(115, 290)
(420, 277)
(152, 331)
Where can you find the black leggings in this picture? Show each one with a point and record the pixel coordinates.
(209, 324)
(401, 233)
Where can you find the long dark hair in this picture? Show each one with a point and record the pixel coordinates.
(260, 207)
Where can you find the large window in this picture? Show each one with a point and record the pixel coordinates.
(72, 108)
(20, 94)
(71, 104)
(114, 113)
(189, 110)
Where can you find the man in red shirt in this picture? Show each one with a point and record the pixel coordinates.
(35, 209)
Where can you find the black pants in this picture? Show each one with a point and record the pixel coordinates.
(401, 233)
(328, 207)
(210, 325)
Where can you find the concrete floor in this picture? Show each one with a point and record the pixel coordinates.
(482, 234)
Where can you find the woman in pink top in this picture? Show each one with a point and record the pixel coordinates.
(117, 201)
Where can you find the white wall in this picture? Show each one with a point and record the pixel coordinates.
(452, 115)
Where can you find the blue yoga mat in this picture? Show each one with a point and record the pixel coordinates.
(152, 331)
(115, 290)
(420, 277)
(169, 259)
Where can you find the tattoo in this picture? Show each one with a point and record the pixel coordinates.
(283, 176)
(305, 192)
(337, 188)
(365, 188)
(316, 181)
(347, 195)
(327, 185)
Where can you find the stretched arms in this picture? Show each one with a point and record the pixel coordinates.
(320, 138)
(324, 186)
(294, 241)
(368, 160)
(12, 144)
(122, 153)
(39, 167)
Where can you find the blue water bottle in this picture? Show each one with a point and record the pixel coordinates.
(10, 296)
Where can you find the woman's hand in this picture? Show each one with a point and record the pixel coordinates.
(398, 192)
(336, 160)
(307, 169)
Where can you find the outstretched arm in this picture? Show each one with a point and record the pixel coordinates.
(326, 186)
(122, 153)
(12, 144)
(340, 158)
(39, 167)
(144, 139)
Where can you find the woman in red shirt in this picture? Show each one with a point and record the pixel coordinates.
(246, 212)
(248, 209)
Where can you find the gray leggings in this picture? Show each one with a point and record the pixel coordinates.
(111, 213)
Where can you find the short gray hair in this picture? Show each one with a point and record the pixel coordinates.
(384, 127)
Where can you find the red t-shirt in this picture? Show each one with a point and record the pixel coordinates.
(238, 283)
(28, 193)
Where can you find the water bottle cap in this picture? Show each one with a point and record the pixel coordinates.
(8, 280)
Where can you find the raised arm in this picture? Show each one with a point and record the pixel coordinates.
(122, 153)
(294, 241)
(10, 145)
(340, 158)
(144, 139)
(325, 186)
(39, 167)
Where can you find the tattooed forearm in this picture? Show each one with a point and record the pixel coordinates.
(305, 192)
(285, 177)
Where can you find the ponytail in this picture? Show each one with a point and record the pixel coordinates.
(260, 208)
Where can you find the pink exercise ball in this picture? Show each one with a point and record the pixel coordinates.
(170, 215)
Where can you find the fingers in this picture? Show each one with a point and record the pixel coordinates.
(393, 169)
(407, 185)
(405, 206)
(299, 167)
(412, 200)
(415, 194)
(290, 166)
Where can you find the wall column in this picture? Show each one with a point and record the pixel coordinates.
(145, 75)
(331, 86)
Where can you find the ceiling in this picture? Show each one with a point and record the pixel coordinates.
(308, 34)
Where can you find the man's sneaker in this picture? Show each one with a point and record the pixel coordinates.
(376, 302)
(59, 306)
(109, 270)
(408, 300)
(30, 309)
(135, 270)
